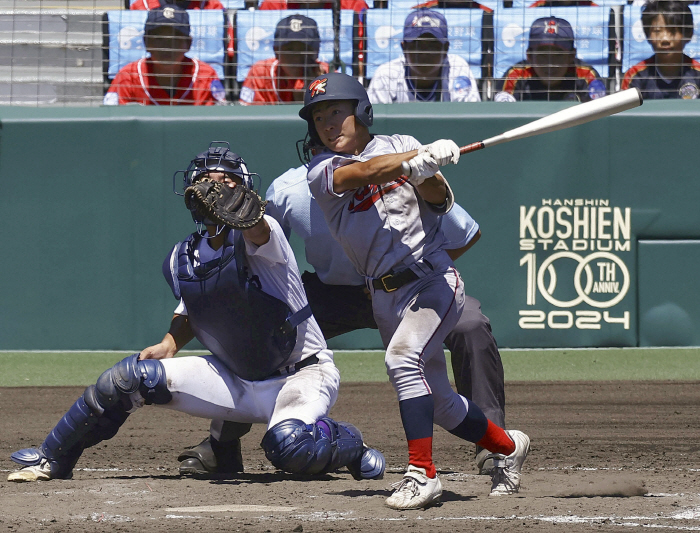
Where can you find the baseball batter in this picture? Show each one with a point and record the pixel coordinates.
(340, 304)
(389, 227)
(241, 296)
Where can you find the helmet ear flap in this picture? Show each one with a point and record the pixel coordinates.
(364, 113)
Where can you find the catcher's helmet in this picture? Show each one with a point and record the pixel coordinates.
(336, 86)
(217, 158)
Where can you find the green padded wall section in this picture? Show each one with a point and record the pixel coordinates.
(88, 214)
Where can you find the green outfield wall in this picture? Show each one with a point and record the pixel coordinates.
(591, 235)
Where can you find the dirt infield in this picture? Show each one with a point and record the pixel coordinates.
(605, 456)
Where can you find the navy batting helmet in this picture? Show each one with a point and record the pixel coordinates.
(336, 86)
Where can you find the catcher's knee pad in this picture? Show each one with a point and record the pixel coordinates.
(317, 448)
(129, 375)
(101, 410)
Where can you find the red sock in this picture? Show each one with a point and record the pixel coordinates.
(420, 454)
(496, 440)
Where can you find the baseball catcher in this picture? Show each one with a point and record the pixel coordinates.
(240, 294)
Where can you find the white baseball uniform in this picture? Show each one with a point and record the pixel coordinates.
(389, 228)
(205, 387)
(389, 86)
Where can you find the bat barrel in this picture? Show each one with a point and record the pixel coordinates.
(573, 116)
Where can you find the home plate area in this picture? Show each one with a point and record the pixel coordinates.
(604, 456)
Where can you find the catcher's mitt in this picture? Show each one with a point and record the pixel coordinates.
(237, 207)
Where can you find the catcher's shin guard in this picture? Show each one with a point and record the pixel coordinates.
(319, 448)
(98, 414)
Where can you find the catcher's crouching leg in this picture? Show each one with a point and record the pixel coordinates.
(322, 447)
(96, 416)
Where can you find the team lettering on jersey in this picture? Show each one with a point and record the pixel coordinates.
(370, 194)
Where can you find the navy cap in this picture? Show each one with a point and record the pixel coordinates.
(297, 28)
(551, 31)
(425, 21)
(170, 15)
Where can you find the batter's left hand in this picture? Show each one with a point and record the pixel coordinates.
(443, 151)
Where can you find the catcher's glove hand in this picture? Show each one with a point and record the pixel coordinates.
(237, 207)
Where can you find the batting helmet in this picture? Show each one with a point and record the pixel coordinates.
(336, 86)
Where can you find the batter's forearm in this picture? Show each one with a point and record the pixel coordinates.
(433, 190)
(377, 171)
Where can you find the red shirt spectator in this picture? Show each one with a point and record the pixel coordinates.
(167, 77)
(264, 85)
(284, 77)
(136, 84)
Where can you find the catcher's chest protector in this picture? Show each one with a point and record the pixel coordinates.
(246, 328)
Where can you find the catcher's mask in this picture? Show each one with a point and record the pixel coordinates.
(217, 158)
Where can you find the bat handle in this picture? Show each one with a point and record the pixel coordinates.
(473, 147)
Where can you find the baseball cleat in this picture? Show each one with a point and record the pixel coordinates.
(40, 472)
(415, 491)
(485, 462)
(506, 474)
(370, 466)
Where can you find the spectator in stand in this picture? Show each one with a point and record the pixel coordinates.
(425, 72)
(167, 77)
(283, 78)
(669, 73)
(355, 5)
(148, 5)
(551, 70)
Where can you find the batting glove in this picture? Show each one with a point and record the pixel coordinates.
(423, 166)
(443, 151)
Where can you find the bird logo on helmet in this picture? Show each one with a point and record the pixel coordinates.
(336, 86)
(317, 87)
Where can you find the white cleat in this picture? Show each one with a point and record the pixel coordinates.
(40, 472)
(506, 474)
(415, 491)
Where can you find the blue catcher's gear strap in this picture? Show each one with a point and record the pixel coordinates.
(294, 319)
(301, 448)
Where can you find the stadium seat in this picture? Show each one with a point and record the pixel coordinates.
(635, 47)
(591, 27)
(384, 30)
(255, 32)
(122, 32)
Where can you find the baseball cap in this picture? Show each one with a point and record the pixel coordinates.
(425, 21)
(297, 28)
(169, 15)
(551, 31)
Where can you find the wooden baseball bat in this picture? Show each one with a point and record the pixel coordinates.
(566, 118)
